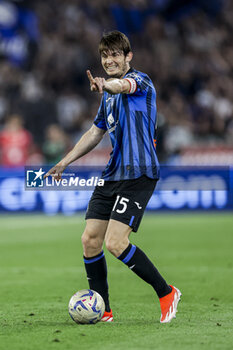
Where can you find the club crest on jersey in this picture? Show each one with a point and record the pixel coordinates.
(110, 119)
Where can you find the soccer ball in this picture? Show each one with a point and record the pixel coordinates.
(86, 306)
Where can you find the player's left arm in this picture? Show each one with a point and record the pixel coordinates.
(112, 85)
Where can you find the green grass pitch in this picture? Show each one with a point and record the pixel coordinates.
(41, 267)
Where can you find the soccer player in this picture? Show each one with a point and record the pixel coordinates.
(128, 113)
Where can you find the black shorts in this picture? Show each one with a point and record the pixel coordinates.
(124, 200)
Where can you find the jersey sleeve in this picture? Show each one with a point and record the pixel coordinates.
(99, 119)
(138, 83)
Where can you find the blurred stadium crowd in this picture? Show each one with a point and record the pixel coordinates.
(46, 47)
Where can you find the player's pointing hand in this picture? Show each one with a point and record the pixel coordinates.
(55, 172)
(96, 84)
(93, 85)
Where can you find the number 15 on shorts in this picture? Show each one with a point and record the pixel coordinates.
(123, 201)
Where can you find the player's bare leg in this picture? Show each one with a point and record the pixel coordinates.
(117, 237)
(93, 237)
(94, 259)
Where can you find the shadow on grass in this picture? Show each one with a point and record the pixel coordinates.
(116, 323)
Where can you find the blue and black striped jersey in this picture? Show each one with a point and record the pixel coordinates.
(130, 120)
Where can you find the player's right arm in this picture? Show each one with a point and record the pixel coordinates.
(87, 142)
(112, 85)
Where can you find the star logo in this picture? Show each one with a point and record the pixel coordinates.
(39, 173)
(34, 178)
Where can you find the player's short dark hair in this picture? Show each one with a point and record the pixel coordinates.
(114, 40)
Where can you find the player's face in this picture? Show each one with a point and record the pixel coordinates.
(115, 63)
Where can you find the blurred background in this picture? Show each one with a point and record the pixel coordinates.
(185, 46)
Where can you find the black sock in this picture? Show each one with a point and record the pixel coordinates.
(139, 263)
(96, 269)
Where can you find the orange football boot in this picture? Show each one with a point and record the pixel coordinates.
(107, 317)
(169, 304)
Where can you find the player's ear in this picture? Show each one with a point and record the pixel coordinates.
(129, 56)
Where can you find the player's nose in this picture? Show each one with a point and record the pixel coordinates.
(109, 60)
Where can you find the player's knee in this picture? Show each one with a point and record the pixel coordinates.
(90, 240)
(116, 247)
(109, 245)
